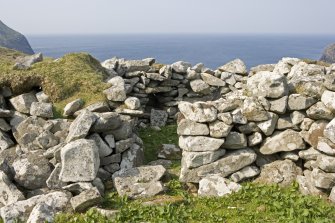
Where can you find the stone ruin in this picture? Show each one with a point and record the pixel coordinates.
(274, 124)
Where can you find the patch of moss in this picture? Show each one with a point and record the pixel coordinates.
(76, 75)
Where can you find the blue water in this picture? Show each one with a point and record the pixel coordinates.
(212, 50)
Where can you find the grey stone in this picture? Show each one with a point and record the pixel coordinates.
(267, 84)
(228, 164)
(42, 212)
(196, 159)
(41, 109)
(216, 185)
(288, 140)
(191, 128)
(115, 158)
(85, 200)
(279, 106)
(22, 103)
(236, 66)
(282, 172)
(112, 168)
(80, 127)
(140, 181)
(170, 152)
(5, 141)
(110, 140)
(329, 131)
(255, 139)
(80, 161)
(317, 129)
(53, 181)
(235, 140)
(299, 102)
(253, 110)
(320, 111)
(180, 66)
(322, 179)
(198, 112)
(212, 80)
(245, 173)
(106, 121)
(23, 63)
(199, 143)
(31, 171)
(284, 123)
(290, 156)
(297, 117)
(309, 154)
(125, 129)
(72, 107)
(158, 117)
(42, 97)
(328, 98)
(238, 117)
(219, 129)
(332, 195)
(200, 86)
(132, 103)
(226, 118)
(326, 163)
(132, 157)
(326, 146)
(306, 184)
(306, 124)
(117, 92)
(104, 149)
(123, 145)
(9, 192)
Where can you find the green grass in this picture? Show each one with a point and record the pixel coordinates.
(153, 140)
(76, 75)
(254, 203)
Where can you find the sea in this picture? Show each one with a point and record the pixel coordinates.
(213, 50)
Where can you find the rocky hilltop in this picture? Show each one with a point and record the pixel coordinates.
(68, 129)
(12, 39)
(328, 55)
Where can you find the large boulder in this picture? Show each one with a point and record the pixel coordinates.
(117, 92)
(139, 182)
(80, 161)
(288, 140)
(267, 84)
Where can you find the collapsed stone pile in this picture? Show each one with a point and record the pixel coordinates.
(138, 86)
(279, 128)
(49, 164)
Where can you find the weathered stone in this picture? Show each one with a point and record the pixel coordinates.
(212, 80)
(309, 154)
(228, 164)
(41, 109)
(170, 152)
(26, 62)
(328, 98)
(253, 110)
(332, 195)
(53, 181)
(236, 66)
(5, 141)
(269, 126)
(42, 97)
(133, 157)
(115, 158)
(297, 117)
(123, 145)
(132, 103)
(326, 163)
(199, 143)
(191, 128)
(299, 102)
(110, 140)
(238, 117)
(279, 106)
(216, 185)
(125, 129)
(72, 107)
(200, 86)
(117, 92)
(306, 124)
(219, 129)
(107, 121)
(104, 149)
(248, 128)
(288, 140)
(226, 118)
(9, 192)
(80, 161)
(86, 199)
(329, 131)
(227, 105)
(22, 103)
(198, 112)
(267, 84)
(290, 156)
(140, 181)
(42, 212)
(306, 184)
(20, 211)
(326, 146)
(282, 172)
(158, 117)
(180, 66)
(235, 140)
(255, 139)
(245, 173)
(196, 159)
(317, 129)
(284, 123)
(322, 179)
(80, 127)
(32, 171)
(320, 111)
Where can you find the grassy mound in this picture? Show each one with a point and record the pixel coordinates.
(76, 75)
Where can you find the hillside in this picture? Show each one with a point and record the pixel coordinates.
(14, 40)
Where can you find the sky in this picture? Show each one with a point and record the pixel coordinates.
(169, 16)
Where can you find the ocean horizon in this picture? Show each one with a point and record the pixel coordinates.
(213, 50)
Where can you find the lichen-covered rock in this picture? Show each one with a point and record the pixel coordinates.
(117, 92)
(72, 107)
(288, 140)
(299, 102)
(9, 192)
(132, 103)
(5, 141)
(22, 103)
(235, 140)
(326, 163)
(253, 110)
(107, 121)
(158, 117)
(196, 159)
(198, 112)
(42, 109)
(216, 185)
(267, 84)
(133, 157)
(322, 179)
(320, 111)
(245, 173)
(329, 131)
(80, 161)
(236, 66)
(86, 199)
(219, 129)
(212, 80)
(282, 172)
(190, 128)
(199, 143)
(180, 66)
(104, 149)
(269, 126)
(200, 86)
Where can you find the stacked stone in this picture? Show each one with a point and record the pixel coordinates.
(150, 90)
(40, 155)
(277, 126)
